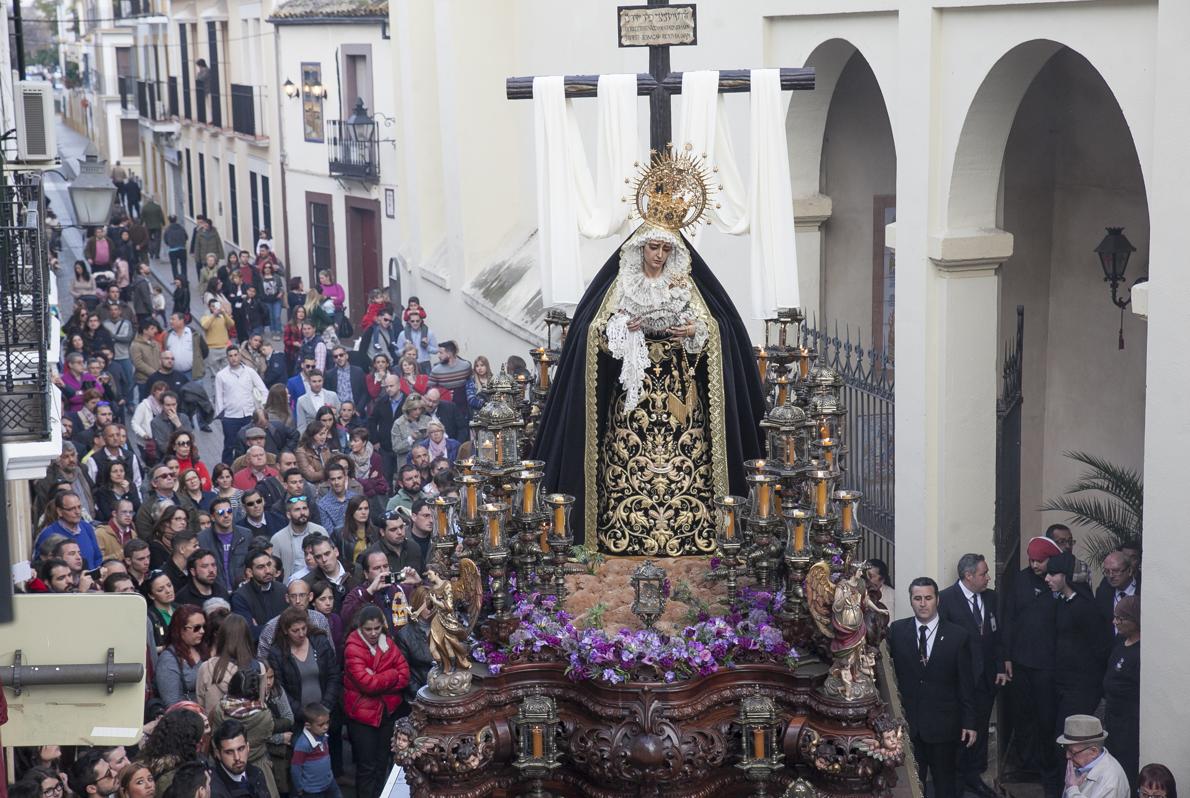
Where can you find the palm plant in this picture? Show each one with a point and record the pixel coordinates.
(1117, 515)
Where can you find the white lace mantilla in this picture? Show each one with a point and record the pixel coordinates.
(660, 303)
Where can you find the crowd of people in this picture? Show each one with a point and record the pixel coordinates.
(285, 611)
(1063, 653)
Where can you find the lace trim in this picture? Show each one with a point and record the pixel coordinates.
(628, 346)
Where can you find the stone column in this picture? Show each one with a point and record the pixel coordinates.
(965, 384)
(19, 517)
(809, 214)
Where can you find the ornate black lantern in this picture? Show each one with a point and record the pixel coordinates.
(760, 756)
(537, 724)
(648, 593)
(360, 125)
(1114, 252)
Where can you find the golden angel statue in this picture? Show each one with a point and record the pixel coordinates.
(838, 610)
(455, 605)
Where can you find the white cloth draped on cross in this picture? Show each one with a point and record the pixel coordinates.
(570, 202)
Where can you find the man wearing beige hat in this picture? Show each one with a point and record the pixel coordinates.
(1091, 772)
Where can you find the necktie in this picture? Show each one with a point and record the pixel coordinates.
(921, 645)
(975, 612)
(1121, 594)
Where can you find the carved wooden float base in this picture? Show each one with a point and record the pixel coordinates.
(648, 738)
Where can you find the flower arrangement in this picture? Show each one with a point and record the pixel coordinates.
(749, 633)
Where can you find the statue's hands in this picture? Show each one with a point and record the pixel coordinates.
(681, 330)
(634, 324)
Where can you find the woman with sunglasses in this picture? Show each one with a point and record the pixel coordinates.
(183, 446)
(158, 591)
(173, 519)
(224, 487)
(176, 676)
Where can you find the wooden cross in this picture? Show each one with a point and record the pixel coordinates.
(659, 84)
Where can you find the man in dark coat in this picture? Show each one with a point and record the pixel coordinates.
(232, 775)
(1119, 580)
(970, 604)
(935, 673)
(342, 375)
(259, 600)
(1027, 611)
(381, 415)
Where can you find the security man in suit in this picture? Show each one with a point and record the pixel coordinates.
(970, 604)
(935, 673)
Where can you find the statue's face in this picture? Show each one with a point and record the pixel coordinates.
(656, 253)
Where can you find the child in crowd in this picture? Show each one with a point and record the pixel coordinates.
(310, 769)
(377, 301)
(413, 308)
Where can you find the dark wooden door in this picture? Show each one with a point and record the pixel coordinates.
(363, 253)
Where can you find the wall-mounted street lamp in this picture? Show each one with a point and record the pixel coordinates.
(1114, 252)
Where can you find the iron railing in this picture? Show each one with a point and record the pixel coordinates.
(349, 157)
(868, 462)
(24, 317)
(173, 97)
(150, 100)
(127, 88)
(248, 110)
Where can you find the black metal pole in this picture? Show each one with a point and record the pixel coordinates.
(18, 36)
(6, 590)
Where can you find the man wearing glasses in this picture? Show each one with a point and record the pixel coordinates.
(70, 524)
(1119, 580)
(164, 483)
(228, 542)
(346, 380)
(1091, 772)
(92, 776)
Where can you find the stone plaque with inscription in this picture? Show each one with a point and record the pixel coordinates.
(654, 26)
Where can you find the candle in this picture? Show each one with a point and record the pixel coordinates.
(528, 494)
(799, 536)
(762, 499)
(790, 452)
(824, 431)
(803, 363)
(543, 377)
(758, 744)
(494, 531)
(538, 742)
(820, 499)
(830, 454)
(543, 539)
(472, 500)
(560, 520)
(846, 516)
(782, 390)
(499, 448)
(729, 524)
(485, 450)
(762, 362)
(443, 525)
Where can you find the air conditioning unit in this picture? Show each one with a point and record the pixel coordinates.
(36, 137)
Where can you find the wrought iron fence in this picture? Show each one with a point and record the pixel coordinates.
(173, 96)
(349, 156)
(868, 461)
(24, 319)
(248, 109)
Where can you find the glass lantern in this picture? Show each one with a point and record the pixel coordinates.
(758, 726)
(537, 724)
(728, 530)
(648, 593)
(819, 487)
(796, 522)
(559, 505)
(495, 526)
(527, 493)
(470, 486)
(495, 430)
(761, 494)
(848, 501)
(785, 430)
(443, 507)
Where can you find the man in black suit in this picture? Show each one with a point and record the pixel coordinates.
(342, 375)
(935, 673)
(232, 776)
(970, 604)
(1027, 612)
(1119, 579)
(381, 415)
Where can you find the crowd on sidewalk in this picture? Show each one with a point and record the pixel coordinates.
(284, 610)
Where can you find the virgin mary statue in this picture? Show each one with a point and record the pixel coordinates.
(656, 401)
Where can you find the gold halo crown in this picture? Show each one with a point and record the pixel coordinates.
(674, 190)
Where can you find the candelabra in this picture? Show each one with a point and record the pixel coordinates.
(558, 539)
(444, 538)
(731, 539)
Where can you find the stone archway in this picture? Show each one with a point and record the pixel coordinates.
(835, 193)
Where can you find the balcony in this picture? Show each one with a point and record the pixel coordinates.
(126, 86)
(248, 110)
(126, 11)
(173, 98)
(26, 396)
(350, 157)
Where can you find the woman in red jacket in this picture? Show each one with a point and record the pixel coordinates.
(374, 674)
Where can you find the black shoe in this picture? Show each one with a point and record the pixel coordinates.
(979, 787)
(205, 427)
